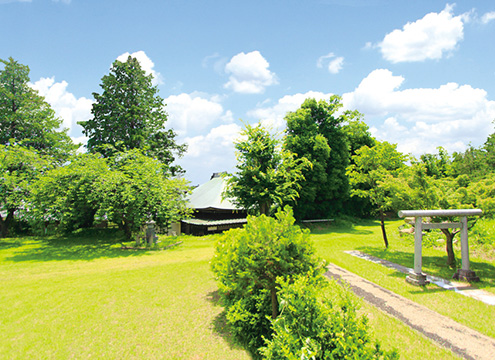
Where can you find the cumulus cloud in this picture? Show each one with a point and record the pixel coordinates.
(487, 17)
(191, 114)
(146, 64)
(273, 116)
(431, 37)
(421, 119)
(65, 104)
(213, 152)
(334, 66)
(249, 73)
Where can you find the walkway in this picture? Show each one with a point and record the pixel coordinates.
(459, 287)
(462, 340)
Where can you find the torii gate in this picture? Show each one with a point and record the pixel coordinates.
(417, 277)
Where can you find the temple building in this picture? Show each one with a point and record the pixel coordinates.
(212, 213)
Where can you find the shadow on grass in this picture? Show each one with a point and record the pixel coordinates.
(434, 265)
(340, 227)
(88, 244)
(220, 325)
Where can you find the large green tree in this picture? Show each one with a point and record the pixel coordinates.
(266, 174)
(315, 132)
(129, 114)
(19, 168)
(128, 189)
(26, 118)
(374, 175)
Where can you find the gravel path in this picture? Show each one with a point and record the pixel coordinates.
(462, 340)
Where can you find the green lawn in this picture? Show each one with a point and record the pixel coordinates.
(84, 297)
(64, 299)
(333, 241)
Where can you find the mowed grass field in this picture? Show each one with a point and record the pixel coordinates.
(82, 297)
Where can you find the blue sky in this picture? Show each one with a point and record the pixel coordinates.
(421, 72)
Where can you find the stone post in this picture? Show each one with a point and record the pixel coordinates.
(150, 232)
(464, 273)
(417, 277)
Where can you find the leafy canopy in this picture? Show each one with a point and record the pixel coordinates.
(266, 174)
(26, 118)
(323, 135)
(19, 168)
(128, 189)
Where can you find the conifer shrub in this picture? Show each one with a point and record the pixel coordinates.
(318, 320)
(278, 304)
(247, 263)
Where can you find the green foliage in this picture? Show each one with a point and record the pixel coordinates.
(19, 168)
(68, 195)
(374, 175)
(128, 189)
(129, 114)
(319, 320)
(373, 171)
(26, 118)
(483, 232)
(437, 165)
(247, 263)
(316, 132)
(266, 175)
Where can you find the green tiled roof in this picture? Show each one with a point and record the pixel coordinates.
(209, 195)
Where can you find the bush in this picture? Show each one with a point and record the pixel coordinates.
(247, 263)
(318, 320)
(483, 232)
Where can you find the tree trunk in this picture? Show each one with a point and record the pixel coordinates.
(382, 223)
(449, 236)
(273, 292)
(126, 227)
(265, 208)
(5, 223)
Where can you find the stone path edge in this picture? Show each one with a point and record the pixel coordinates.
(458, 338)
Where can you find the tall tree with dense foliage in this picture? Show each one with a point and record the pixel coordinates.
(26, 118)
(266, 174)
(129, 114)
(315, 132)
(373, 175)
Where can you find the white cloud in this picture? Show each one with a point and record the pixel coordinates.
(273, 116)
(146, 64)
(218, 62)
(487, 17)
(249, 73)
(421, 119)
(334, 66)
(427, 38)
(191, 114)
(65, 104)
(213, 152)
